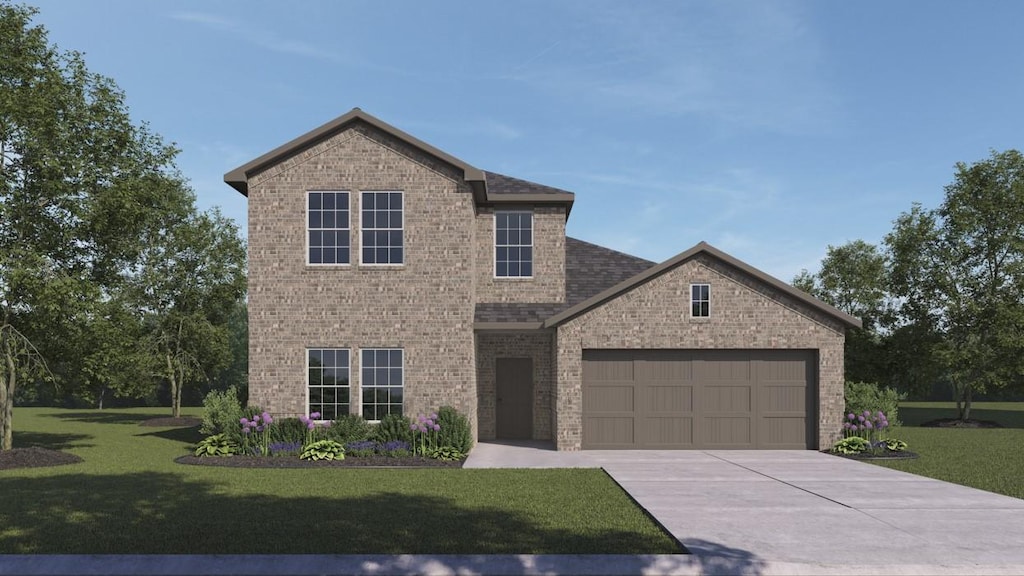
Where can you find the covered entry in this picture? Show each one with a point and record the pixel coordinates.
(704, 399)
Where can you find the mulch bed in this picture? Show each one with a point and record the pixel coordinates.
(180, 422)
(34, 457)
(295, 462)
(886, 455)
(957, 423)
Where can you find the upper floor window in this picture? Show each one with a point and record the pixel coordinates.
(327, 226)
(700, 300)
(381, 222)
(513, 244)
(328, 382)
(383, 382)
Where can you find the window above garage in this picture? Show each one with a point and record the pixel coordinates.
(700, 300)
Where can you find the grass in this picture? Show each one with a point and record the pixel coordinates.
(990, 459)
(128, 496)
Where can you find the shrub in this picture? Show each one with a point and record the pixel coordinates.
(288, 430)
(394, 448)
(221, 411)
(362, 448)
(285, 448)
(447, 453)
(895, 445)
(861, 396)
(349, 428)
(323, 450)
(393, 427)
(455, 430)
(851, 445)
(216, 445)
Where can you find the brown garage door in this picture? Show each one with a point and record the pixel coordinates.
(707, 399)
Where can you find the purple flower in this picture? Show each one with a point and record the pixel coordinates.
(437, 427)
(433, 415)
(428, 422)
(413, 427)
(315, 415)
(423, 429)
(245, 430)
(311, 425)
(881, 415)
(868, 424)
(867, 414)
(422, 418)
(851, 416)
(259, 428)
(243, 421)
(266, 418)
(861, 418)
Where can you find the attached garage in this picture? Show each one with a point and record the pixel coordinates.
(704, 399)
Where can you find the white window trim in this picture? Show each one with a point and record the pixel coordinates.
(692, 301)
(347, 229)
(402, 229)
(404, 387)
(350, 376)
(494, 244)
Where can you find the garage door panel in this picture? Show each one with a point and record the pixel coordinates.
(725, 399)
(605, 366)
(608, 398)
(664, 365)
(672, 399)
(791, 398)
(783, 433)
(723, 366)
(609, 431)
(725, 431)
(667, 432)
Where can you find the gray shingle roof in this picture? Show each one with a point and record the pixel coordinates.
(501, 184)
(589, 270)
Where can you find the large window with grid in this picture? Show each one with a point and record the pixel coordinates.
(382, 385)
(381, 216)
(328, 382)
(327, 226)
(513, 244)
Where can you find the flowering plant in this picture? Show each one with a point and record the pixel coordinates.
(869, 427)
(256, 432)
(311, 427)
(424, 434)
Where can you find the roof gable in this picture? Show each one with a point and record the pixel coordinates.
(668, 265)
(239, 177)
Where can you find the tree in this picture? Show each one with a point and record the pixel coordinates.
(853, 278)
(192, 277)
(77, 182)
(959, 274)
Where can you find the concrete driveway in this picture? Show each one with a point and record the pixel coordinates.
(769, 510)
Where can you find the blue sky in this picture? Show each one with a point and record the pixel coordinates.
(768, 129)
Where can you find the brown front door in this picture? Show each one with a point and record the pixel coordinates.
(515, 398)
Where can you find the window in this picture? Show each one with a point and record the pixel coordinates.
(328, 382)
(328, 227)
(700, 300)
(382, 382)
(381, 222)
(513, 244)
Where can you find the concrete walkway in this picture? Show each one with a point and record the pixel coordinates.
(759, 509)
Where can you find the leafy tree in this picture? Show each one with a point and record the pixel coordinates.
(853, 278)
(190, 282)
(959, 274)
(77, 182)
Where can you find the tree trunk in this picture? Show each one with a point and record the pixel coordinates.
(7, 383)
(966, 415)
(102, 390)
(172, 375)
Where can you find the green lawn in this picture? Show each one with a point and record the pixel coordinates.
(130, 497)
(989, 459)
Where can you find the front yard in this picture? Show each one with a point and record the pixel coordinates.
(128, 496)
(989, 459)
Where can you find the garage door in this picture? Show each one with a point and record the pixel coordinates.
(705, 399)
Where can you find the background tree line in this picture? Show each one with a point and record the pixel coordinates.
(942, 298)
(112, 283)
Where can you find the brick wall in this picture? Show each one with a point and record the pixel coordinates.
(424, 306)
(744, 314)
(533, 345)
(548, 282)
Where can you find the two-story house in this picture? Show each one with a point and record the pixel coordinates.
(387, 276)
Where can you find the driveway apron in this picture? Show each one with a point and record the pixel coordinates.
(808, 508)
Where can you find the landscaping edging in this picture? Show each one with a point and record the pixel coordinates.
(904, 455)
(294, 462)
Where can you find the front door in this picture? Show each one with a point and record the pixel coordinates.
(515, 398)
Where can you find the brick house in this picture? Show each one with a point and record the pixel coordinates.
(386, 275)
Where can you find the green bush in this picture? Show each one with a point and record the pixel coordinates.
(323, 450)
(221, 412)
(455, 430)
(895, 445)
(349, 428)
(861, 396)
(447, 453)
(288, 430)
(216, 445)
(851, 445)
(393, 427)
